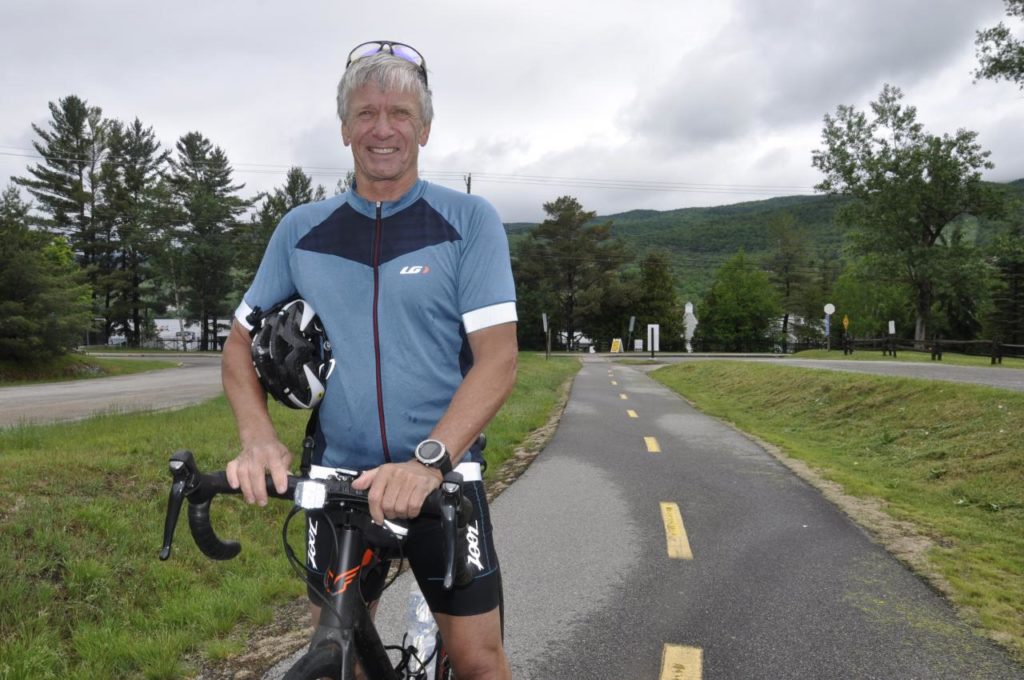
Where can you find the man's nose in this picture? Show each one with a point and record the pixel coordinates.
(382, 126)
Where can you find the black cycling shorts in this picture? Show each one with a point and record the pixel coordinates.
(423, 549)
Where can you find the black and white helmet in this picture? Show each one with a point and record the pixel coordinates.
(291, 354)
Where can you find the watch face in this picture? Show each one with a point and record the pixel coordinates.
(430, 451)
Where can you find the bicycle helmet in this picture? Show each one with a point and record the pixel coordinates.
(291, 354)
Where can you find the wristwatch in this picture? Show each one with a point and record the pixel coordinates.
(433, 453)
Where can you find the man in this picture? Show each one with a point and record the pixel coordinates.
(414, 287)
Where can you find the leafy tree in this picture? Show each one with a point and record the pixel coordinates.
(44, 306)
(129, 177)
(870, 300)
(741, 309)
(562, 259)
(1006, 319)
(207, 208)
(1000, 54)
(908, 188)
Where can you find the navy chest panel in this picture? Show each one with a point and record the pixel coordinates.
(349, 234)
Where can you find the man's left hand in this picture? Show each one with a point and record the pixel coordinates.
(397, 490)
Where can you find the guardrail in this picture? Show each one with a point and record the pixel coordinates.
(889, 346)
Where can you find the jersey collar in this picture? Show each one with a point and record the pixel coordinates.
(387, 208)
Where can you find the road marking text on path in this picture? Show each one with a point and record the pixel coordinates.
(675, 533)
(680, 663)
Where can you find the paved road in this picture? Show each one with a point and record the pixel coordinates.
(197, 379)
(780, 585)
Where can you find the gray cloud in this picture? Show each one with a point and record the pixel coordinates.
(786, 63)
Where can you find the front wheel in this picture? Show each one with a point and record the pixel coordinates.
(322, 663)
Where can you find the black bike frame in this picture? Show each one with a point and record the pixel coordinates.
(345, 620)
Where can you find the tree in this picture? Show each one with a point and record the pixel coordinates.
(44, 306)
(1000, 54)
(129, 177)
(562, 259)
(658, 301)
(65, 183)
(253, 237)
(741, 309)
(1006, 319)
(908, 189)
(789, 266)
(207, 208)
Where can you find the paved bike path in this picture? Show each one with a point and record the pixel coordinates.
(781, 584)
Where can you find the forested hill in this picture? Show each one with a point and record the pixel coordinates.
(698, 240)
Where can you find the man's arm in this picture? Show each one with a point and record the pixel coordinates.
(398, 490)
(262, 451)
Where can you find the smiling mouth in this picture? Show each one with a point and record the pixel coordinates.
(383, 151)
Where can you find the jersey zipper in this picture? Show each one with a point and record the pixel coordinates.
(376, 333)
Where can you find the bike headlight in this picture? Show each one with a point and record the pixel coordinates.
(310, 494)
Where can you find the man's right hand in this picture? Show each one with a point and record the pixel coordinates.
(248, 471)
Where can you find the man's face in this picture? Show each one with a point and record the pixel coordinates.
(385, 131)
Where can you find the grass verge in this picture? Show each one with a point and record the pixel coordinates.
(75, 367)
(82, 593)
(948, 459)
(874, 355)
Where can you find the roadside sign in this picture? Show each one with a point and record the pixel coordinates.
(544, 319)
(830, 309)
(617, 346)
(846, 322)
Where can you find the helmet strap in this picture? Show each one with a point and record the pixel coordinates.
(309, 441)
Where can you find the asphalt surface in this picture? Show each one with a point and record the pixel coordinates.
(195, 380)
(780, 585)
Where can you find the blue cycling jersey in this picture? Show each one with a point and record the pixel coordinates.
(398, 286)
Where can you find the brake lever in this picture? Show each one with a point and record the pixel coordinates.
(185, 475)
(450, 500)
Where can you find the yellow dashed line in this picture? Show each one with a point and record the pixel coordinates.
(631, 413)
(614, 382)
(623, 396)
(652, 445)
(681, 663)
(675, 532)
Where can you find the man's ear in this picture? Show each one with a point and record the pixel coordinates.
(424, 135)
(344, 134)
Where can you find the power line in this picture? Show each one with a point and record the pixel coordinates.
(497, 178)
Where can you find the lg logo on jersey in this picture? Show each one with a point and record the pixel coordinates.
(415, 269)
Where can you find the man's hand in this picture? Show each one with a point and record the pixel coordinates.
(249, 469)
(397, 490)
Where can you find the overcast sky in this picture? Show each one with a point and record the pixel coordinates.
(654, 104)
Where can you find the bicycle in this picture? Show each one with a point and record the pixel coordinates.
(345, 630)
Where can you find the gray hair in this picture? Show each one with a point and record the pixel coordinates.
(390, 73)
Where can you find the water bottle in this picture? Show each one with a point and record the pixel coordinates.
(421, 633)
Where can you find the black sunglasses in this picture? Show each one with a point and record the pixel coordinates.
(401, 50)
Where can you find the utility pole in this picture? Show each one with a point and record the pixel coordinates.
(469, 182)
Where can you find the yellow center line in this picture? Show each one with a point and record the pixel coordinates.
(631, 413)
(614, 383)
(652, 445)
(623, 396)
(675, 532)
(681, 663)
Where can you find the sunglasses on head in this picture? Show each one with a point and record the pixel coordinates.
(401, 50)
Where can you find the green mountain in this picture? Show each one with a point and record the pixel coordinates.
(699, 240)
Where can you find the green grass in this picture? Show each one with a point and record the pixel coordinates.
(75, 367)
(82, 593)
(876, 355)
(947, 458)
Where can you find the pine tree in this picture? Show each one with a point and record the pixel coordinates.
(44, 306)
(65, 183)
(205, 196)
(129, 178)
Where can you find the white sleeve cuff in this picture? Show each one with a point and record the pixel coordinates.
(493, 315)
(241, 315)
